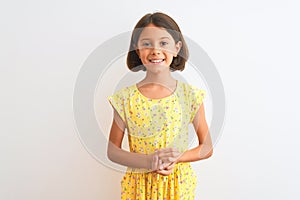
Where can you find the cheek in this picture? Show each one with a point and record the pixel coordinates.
(143, 56)
(171, 51)
(169, 54)
(144, 53)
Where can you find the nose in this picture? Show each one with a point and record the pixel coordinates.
(156, 50)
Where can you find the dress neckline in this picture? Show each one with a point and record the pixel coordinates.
(157, 99)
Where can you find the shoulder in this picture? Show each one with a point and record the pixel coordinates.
(123, 92)
(192, 90)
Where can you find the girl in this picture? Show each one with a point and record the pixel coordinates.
(156, 113)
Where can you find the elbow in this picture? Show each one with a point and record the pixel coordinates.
(206, 154)
(113, 152)
(210, 153)
(109, 153)
(111, 156)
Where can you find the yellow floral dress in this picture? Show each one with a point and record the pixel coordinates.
(153, 124)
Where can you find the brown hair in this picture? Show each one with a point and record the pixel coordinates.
(163, 21)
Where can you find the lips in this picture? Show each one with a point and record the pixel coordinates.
(156, 61)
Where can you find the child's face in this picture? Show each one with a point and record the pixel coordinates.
(156, 48)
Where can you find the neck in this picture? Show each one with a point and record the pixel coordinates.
(164, 78)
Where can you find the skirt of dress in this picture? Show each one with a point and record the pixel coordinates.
(179, 185)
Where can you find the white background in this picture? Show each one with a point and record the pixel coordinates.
(254, 45)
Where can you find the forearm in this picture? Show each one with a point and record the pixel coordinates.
(200, 152)
(126, 158)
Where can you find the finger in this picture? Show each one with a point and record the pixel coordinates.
(168, 149)
(168, 153)
(169, 158)
(160, 164)
(155, 162)
(164, 163)
(171, 166)
(163, 172)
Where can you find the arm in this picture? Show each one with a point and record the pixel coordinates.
(205, 148)
(135, 160)
(116, 154)
(203, 151)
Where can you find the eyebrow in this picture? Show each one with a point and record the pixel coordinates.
(150, 38)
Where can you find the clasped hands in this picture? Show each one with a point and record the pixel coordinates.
(163, 161)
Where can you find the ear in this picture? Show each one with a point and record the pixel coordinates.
(136, 50)
(178, 46)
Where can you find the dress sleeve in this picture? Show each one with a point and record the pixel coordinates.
(117, 102)
(197, 96)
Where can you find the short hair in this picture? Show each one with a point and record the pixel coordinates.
(163, 21)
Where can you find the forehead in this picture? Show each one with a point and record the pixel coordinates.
(153, 32)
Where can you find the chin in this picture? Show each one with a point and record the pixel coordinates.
(157, 68)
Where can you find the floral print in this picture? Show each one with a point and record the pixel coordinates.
(153, 124)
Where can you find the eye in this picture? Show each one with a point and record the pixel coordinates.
(146, 44)
(163, 43)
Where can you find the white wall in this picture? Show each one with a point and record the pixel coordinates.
(254, 45)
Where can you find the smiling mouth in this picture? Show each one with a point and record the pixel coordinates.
(157, 61)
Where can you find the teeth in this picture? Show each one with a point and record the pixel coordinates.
(156, 61)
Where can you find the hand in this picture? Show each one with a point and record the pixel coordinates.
(163, 158)
(167, 170)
